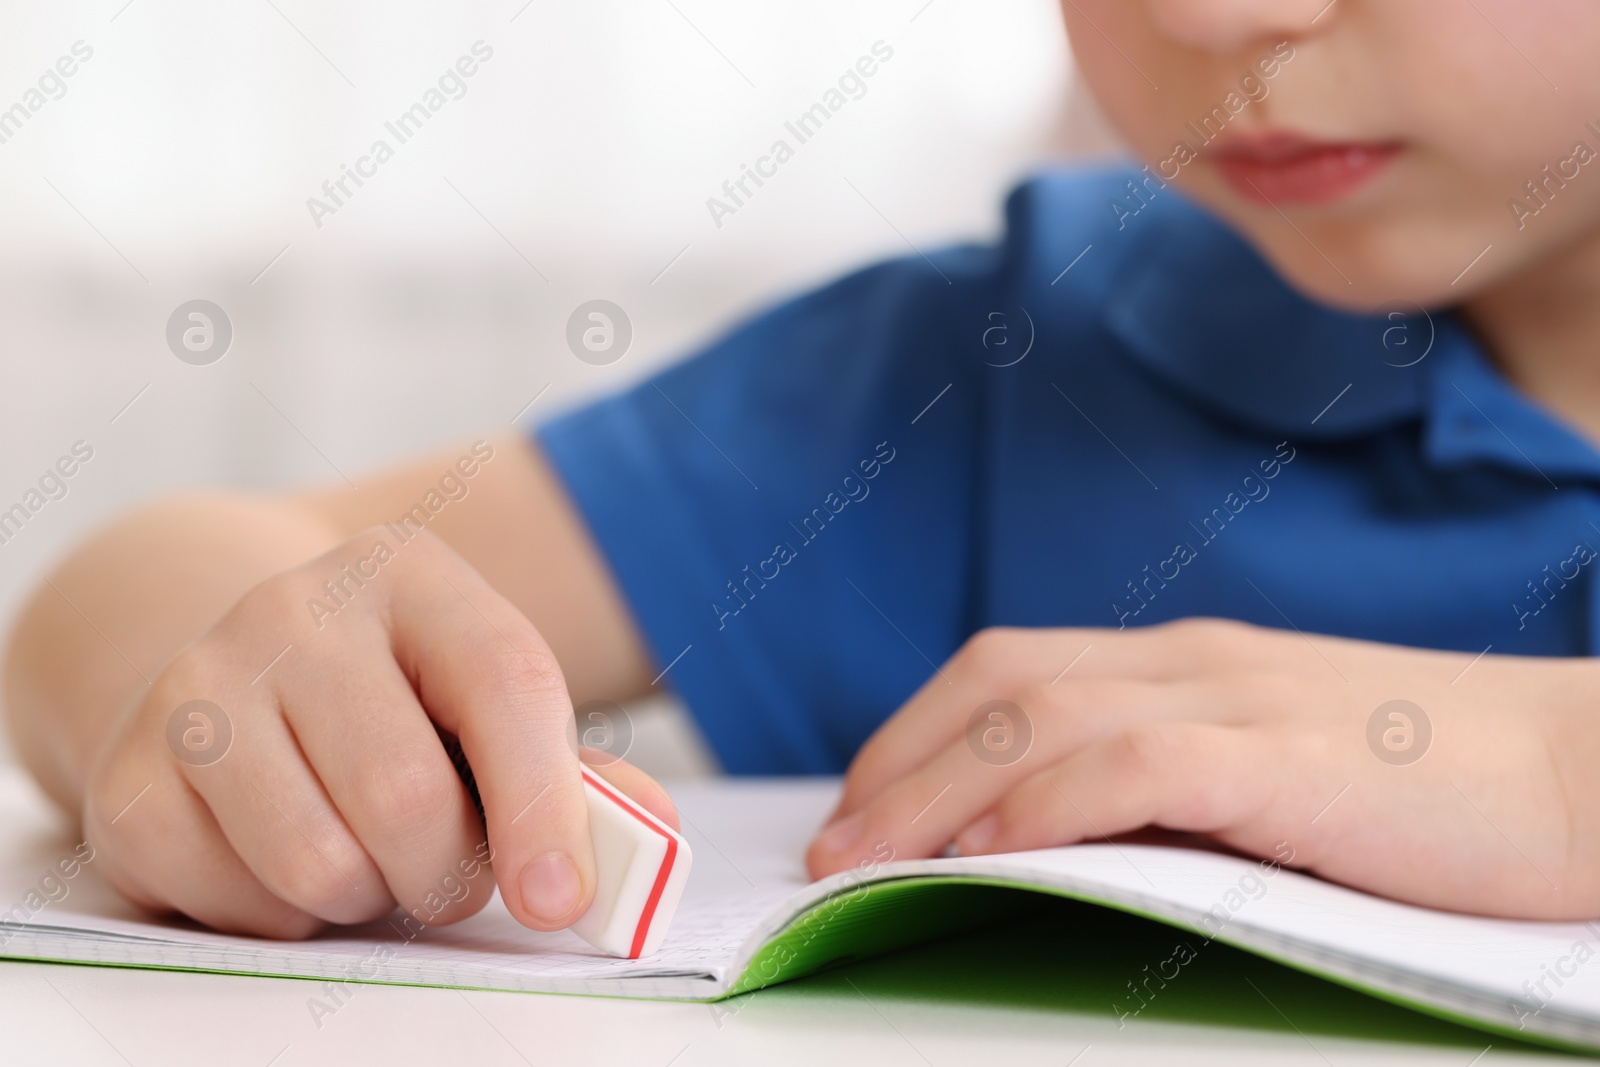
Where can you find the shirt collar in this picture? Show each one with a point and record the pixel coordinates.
(1195, 305)
(1477, 416)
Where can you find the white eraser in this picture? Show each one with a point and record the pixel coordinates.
(641, 864)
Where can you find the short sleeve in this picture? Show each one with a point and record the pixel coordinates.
(790, 514)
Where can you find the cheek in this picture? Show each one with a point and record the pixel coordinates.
(1473, 149)
(1504, 121)
(1121, 81)
(1502, 60)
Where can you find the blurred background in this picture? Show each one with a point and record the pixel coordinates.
(175, 163)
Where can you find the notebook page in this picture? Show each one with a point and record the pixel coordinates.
(1526, 976)
(747, 837)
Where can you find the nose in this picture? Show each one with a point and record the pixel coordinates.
(1226, 26)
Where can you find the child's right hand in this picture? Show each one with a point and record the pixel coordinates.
(334, 800)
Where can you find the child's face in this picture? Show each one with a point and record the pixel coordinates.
(1377, 161)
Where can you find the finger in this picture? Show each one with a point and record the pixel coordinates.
(993, 662)
(640, 787)
(1003, 660)
(1196, 777)
(922, 812)
(279, 820)
(385, 768)
(203, 879)
(483, 673)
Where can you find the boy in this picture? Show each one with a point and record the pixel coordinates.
(865, 490)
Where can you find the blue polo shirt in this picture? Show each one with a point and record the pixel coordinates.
(1116, 416)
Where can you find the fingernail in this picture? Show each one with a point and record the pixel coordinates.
(550, 887)
(841, 835)
(975, 839)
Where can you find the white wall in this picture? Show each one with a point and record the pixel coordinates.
(179, 159)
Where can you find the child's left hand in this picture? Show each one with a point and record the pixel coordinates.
(1266, 740)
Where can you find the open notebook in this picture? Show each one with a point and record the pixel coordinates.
(750, 918)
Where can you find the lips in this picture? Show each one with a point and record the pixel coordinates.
(1282, 169)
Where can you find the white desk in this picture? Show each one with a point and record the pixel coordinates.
(58, 1014)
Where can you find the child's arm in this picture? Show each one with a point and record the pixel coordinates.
(334, 799)
(1478, 794)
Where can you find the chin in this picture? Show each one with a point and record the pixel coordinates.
(1358, 267)
(1391, 242)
